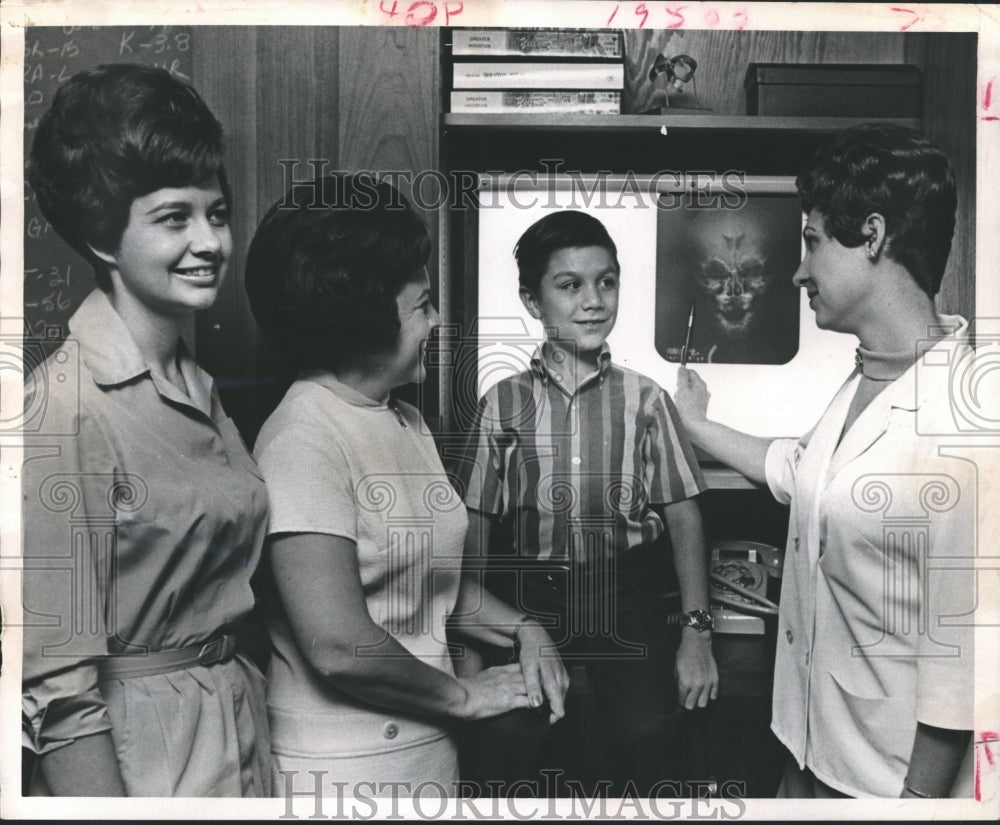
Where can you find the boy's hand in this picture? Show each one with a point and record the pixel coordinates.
(697, 675)
(691, 397)
(544, 674)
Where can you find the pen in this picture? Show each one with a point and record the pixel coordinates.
(687, 338)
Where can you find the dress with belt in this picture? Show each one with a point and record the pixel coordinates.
(143, 521)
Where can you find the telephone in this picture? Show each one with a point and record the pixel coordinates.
(744, 585)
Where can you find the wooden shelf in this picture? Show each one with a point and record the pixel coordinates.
(686, 122)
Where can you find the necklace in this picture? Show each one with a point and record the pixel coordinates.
(883, 366)
(399, 415)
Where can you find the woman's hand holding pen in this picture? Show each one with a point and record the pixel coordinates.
(543, 670)
(691, 398)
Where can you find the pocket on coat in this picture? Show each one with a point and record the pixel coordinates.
(885, 724)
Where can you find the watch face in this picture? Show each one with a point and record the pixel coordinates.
(699, 620)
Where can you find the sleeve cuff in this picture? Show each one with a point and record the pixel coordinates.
(62, 721)
(780, 463)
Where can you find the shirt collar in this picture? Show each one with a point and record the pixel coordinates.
(542, 366)
(106, 345)
(345, 393)
(113, 357)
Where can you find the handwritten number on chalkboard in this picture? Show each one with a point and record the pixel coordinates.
(51, 302)
(56, 278)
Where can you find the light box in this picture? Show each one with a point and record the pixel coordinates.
(729, 244)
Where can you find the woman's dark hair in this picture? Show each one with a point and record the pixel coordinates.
(113, 134)
(558, 230)
(326, 264)
(895, 171)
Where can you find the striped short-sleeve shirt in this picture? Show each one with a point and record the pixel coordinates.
(561, 465)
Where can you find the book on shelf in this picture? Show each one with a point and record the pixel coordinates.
(537, 43)
(536, 100)
(538, 75)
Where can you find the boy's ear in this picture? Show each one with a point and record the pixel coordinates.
(107, 257)
(530, 302)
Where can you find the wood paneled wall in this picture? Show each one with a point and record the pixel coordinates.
(723, 58)
(359, 98)
(948, 63)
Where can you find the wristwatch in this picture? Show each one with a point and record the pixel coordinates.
(698, 619)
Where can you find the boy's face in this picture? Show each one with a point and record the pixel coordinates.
(577, 296)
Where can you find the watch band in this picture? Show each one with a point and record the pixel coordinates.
(698, 619)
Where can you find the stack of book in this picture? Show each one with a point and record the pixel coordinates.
(544, 70)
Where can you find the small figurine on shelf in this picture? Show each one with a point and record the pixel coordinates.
(677, 71)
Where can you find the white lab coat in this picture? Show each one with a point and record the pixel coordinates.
(873, 633)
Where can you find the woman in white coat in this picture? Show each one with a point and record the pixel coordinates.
(874, 665)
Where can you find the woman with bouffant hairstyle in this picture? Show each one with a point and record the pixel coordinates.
(132, 684)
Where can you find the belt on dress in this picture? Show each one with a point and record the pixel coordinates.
(219, 649)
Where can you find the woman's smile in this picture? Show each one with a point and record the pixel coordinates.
(174, 250)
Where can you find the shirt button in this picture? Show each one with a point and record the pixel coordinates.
(796, 540)
(391, 730)
(790, 636)
(576, 461)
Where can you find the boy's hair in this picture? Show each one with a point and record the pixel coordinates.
(558, 230)
(326, 264)
(115, 133)
(895, 171)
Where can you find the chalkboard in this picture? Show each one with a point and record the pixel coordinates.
(56, 278)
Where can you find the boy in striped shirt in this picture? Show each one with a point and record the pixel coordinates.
(574, 467)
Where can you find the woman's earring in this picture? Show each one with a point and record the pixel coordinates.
(871, 252)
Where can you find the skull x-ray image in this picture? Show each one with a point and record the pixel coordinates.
(735, 266)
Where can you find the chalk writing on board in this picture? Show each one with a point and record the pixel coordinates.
(56, 278)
